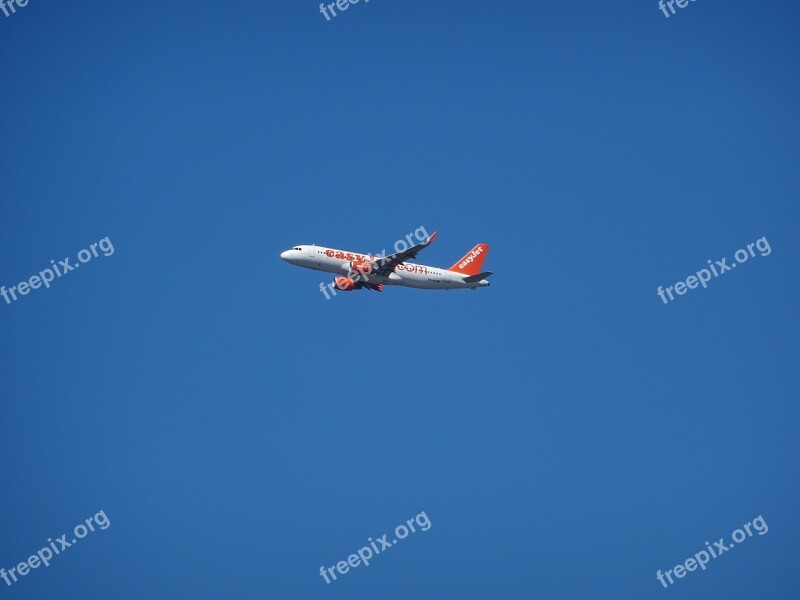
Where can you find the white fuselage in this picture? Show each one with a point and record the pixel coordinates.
(408, 274)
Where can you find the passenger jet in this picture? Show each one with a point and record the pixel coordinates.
(360, 271)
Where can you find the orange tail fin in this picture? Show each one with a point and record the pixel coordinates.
(472, 261)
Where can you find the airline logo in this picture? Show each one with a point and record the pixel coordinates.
(470, 257)
(412, 268)
(349, 256)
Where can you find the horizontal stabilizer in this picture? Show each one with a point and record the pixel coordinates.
(478, 277)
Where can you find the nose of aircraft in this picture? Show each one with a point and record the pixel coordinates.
(285, 255)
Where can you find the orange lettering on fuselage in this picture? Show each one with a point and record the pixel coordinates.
(412, 268)
(349, 256)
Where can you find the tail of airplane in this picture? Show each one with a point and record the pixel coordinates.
(472, 261)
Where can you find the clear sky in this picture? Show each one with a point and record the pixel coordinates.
(566, 433)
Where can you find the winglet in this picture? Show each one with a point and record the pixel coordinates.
(433, 237)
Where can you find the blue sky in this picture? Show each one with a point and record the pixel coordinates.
(566, 433)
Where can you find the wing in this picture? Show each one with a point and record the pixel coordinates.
(387, 264)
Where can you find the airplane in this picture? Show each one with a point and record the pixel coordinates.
(361, 271)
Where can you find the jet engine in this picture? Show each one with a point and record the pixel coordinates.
(344, 284)
(364, 268)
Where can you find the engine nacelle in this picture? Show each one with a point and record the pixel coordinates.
(362, 268)
(344, 284)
